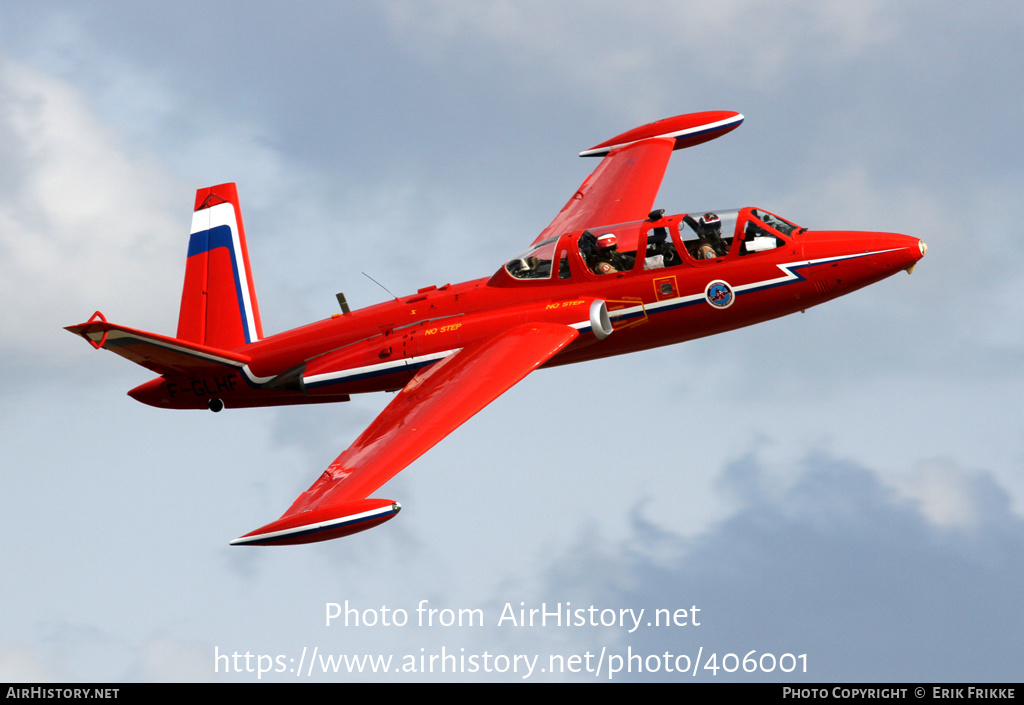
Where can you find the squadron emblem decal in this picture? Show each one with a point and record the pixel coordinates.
(719, 294)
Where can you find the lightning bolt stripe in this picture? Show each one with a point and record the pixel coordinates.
(790, 275)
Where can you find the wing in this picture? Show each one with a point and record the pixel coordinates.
(621, 189)
(624, 185)
(433, 404)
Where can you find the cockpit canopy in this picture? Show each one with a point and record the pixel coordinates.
(535, 263)
(691, 239)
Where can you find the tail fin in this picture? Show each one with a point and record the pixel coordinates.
(218, 302)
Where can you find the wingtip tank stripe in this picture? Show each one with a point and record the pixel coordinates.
(315, 527)
(678, 135)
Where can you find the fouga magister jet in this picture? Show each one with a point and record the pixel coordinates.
(608, 276)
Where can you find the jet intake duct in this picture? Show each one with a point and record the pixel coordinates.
(600, 322)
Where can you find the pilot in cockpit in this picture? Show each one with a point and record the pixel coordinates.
(660, 251)
(606, 258)
(709, 229)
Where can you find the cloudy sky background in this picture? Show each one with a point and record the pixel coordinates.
(845, 484)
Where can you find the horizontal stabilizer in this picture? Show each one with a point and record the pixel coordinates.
(159, 353)
(332, 522)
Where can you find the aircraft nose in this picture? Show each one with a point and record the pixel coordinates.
(901, 251)
(923, 249)
(854, 258)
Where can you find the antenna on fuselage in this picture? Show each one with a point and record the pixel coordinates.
(380, 285)
(343, 303)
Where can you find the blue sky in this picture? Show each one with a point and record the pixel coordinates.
(845, 484)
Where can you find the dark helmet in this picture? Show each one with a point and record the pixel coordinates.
(710, 221)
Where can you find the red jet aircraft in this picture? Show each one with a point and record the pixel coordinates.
(608, 276)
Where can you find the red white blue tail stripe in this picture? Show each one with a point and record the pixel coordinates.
(216, 227)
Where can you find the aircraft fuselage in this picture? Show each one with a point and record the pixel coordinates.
(580, 292)
(380, 348)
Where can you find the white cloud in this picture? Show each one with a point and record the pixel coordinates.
(950, 497)
(84, 222)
